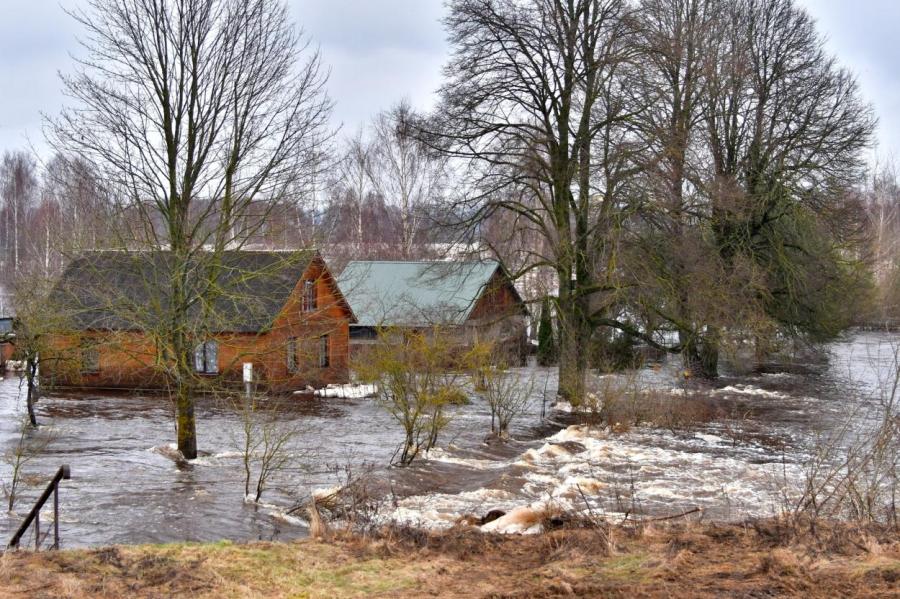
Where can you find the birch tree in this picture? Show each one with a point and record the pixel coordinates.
(355, 179)
(19, 189)
(403, 171)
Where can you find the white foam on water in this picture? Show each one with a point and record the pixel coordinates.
(168, 450)
(436, 454)
(751, 390)
(711, 439)
(660, 472)
(563, 406)
(324, 492)
(443, 510)
(277, 512)
(217, 458)
(289, 519)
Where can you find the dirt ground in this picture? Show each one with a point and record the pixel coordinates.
(673, 560)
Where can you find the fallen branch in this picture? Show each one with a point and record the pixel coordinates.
(663, 518)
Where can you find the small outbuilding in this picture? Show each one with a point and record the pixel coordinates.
(475, 300)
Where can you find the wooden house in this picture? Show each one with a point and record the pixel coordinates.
(282, 312)
(473, 300)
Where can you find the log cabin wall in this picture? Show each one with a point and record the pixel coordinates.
(129, 359)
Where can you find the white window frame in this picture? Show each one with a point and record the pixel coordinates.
(310, 296)
(293, 361)
(324, 351)
(206, 357)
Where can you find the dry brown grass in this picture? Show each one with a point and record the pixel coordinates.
(671, 560)
(623, 404)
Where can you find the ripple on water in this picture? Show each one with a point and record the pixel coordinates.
(130, 485)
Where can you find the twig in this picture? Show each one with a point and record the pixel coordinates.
(682, 515)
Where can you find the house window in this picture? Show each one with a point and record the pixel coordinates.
(309, 296)
(206, 357)
(90, 359)
(324, 352)
(292, 358)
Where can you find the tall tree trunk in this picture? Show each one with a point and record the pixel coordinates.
(359, 222)
(31, 365)
(16, 236)
(700, 354)
(574, 335)
(182, 344)
(47, 249)
(186, 421)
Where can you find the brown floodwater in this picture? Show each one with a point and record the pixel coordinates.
(128, 486)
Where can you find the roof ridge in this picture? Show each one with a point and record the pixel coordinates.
(163, 250)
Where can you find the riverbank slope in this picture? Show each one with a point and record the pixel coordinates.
(680, 560)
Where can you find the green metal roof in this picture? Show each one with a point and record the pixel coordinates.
(414, 293)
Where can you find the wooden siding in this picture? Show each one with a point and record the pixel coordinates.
(127, 358)
(498, 315)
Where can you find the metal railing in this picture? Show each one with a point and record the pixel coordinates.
(34, 516)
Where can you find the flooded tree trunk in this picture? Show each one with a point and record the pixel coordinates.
(410, 450)
(574, 337)
(31, 365)
(186, 421)
(182, 345)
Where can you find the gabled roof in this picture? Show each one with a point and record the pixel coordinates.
(414, 293)
(131, 290)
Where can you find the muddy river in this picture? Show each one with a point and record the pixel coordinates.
(128, 487)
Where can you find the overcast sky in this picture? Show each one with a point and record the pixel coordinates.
(380, 51)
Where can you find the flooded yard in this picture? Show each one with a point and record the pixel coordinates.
(128, 486)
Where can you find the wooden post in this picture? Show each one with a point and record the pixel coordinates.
(56, 518)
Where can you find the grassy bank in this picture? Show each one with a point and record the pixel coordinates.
(684, 560)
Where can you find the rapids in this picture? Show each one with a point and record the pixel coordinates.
(129, 484)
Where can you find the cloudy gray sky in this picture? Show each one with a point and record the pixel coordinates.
(382, 50)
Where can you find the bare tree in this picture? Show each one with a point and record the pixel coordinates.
(403, 171)
(264, 442)
(199, 115)
(658, 149)
(19, 190)
(530, 88)
(882, 197)
(355, 179)
(786, 133)
(674, 38)
(507, 395)
(30, 444)
(755, 139)
(410, 370)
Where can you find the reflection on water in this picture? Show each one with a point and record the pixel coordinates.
(126, 486)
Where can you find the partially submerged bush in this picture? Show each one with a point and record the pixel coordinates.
(622, 404)
(415, 384)
(356, 504)
(506, 393)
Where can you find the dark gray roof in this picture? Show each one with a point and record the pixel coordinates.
(132, 290)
